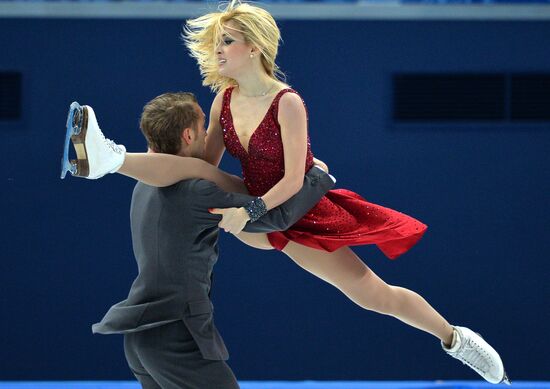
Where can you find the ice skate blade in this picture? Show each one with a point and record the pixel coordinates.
(506, 380)
(77, 123)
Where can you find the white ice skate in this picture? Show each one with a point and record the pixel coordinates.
(472, 350)
(96, 155)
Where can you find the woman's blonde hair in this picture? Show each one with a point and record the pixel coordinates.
(202, 35)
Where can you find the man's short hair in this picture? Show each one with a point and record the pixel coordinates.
(164, 118)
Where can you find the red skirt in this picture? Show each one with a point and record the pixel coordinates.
(343, 218)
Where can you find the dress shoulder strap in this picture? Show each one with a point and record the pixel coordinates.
(225, 116)
(227, 96)
(275, 104)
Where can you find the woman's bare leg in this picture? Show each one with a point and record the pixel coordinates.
(343, 269)
(348, 273)
(258, 241)
(166, 169)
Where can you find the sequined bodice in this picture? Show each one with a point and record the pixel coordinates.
(341, 218)
(263, 165)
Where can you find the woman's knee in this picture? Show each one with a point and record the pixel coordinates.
(372, 293)
(388, 301)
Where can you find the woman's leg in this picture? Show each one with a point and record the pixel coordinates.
(258, 241)
(345, 270)
(160, 169)
(166, 169)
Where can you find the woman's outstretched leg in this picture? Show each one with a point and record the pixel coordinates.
(343, 269)
(97, 156)
(166, 169)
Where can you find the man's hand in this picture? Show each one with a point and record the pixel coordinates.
(233, 219)
(321, 164)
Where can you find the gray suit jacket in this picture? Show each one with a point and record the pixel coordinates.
(175, 242)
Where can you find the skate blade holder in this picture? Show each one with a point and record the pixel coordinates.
(76, 119)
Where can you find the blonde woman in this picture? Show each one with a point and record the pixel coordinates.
(263, 122)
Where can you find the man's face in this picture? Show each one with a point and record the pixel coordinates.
(198, 143)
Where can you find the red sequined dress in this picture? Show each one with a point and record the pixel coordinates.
(341, 218)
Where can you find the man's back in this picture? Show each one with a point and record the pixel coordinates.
(175, 245)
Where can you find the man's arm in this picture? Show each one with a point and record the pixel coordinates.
(316, 184)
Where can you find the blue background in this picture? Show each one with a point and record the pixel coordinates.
(481, 187)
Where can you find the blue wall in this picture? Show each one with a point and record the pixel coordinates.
(483, 190)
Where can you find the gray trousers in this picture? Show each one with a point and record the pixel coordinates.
(167, 357)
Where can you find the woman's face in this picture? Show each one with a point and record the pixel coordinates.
(233, 53)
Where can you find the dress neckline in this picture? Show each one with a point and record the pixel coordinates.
(261, 122)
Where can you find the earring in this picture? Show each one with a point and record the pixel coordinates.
(251, 55)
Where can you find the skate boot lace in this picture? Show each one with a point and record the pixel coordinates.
(112, 145)
(473, 355)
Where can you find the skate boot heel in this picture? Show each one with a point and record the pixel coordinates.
(77, 122)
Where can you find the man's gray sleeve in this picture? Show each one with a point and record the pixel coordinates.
(207, 195)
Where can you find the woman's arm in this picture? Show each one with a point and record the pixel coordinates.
(293, 121)
(215, 146)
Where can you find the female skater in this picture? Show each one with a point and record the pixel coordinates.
(263, 123)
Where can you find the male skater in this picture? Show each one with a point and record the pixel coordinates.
(170, 340)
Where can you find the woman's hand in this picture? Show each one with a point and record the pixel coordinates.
(233, 219)
(321, 164)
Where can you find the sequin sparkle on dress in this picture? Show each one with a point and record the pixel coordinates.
(341, 218)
